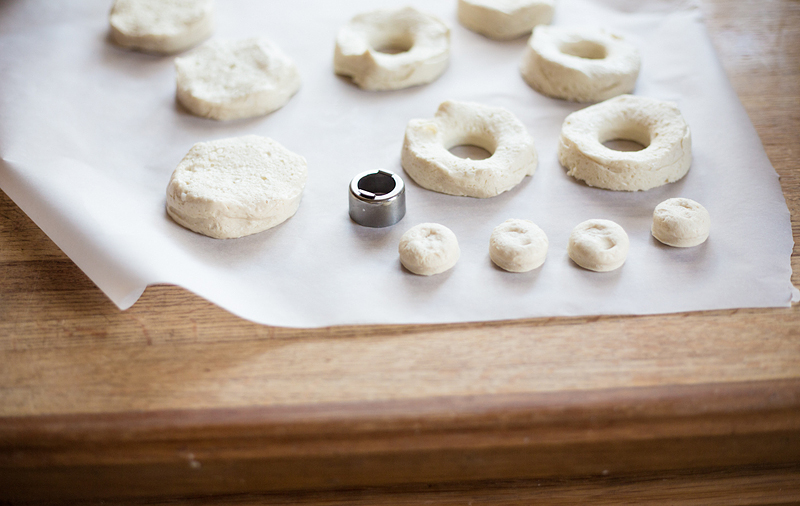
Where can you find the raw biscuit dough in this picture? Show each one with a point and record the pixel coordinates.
(681, 223)
(231, 79)
(235, 187)
(428, 248)
(579, 64)
(425, 156)
(504, 19)
(392, 49)
(598, 245)
(518, 245)
(161, 26)
(656, 124)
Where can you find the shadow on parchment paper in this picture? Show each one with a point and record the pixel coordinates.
(519, 282)
(222, 252)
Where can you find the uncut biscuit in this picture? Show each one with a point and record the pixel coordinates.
(236, 187)
(232, 79)
(161, 26)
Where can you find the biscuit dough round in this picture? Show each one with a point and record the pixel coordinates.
(681, 222)
(428, 248)
(579, 64)
(518, 245)
(161, 26)
(231, 79)
(504, 19)
(656, 124)
(425, 156)
(392, 49)
(234, 187)
(598, 245)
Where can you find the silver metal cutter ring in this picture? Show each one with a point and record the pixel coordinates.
(377, 199)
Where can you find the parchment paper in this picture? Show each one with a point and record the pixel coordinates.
(90, 133)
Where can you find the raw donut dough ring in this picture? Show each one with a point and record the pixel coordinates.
(235, 187)
(582, 65)
(423, 41)
(655, 124)
(598, 245)
(232, 79)
(425, 156)
(681, 222)
(161, 26)
(518, 245)
(504, 19)
(428, 248)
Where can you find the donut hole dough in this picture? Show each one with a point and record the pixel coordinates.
(428, 248)
(518, 245)
(235, 187)
(161, 26)
(504, 19)
(427, 159)
(231, 79)
(392, 49)
(655, 124)
(470, 152)
(681, 222)
(586, 49)
(598, 245)
(582, 65)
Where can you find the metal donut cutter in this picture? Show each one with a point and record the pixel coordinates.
(377, 199)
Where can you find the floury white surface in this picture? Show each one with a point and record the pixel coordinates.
(90, 133)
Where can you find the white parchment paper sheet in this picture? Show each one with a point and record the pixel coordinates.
(90, 133)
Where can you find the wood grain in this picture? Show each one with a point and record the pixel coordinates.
(114, 401)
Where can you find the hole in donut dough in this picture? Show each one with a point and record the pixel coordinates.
(625, 136)
(584, 49)
(378, 184)
(395, 44)
(470, 152)
(623, 145)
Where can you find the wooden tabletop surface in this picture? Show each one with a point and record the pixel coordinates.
(176, 397)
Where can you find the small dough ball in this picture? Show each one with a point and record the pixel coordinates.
(232, 79)
(391, 49)
(235, 187)
(161, 26)
(598, 245)
(428, 248)
(504, 19)
(518, 246)
(681, 223)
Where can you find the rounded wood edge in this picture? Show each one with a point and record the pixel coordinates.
(567, 410)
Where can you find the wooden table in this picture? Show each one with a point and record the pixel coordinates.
(176, 397)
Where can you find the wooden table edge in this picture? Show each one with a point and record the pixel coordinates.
(622, 431)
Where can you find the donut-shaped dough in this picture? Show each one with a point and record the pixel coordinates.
(504, 19)
(231, 79)
(655, 124)
(428, 248)
(235, 187)
(681, 223)
(161, 26)
(583, 65)
(518, 245)
(425, 156)
(392, 49)
(598, 245)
